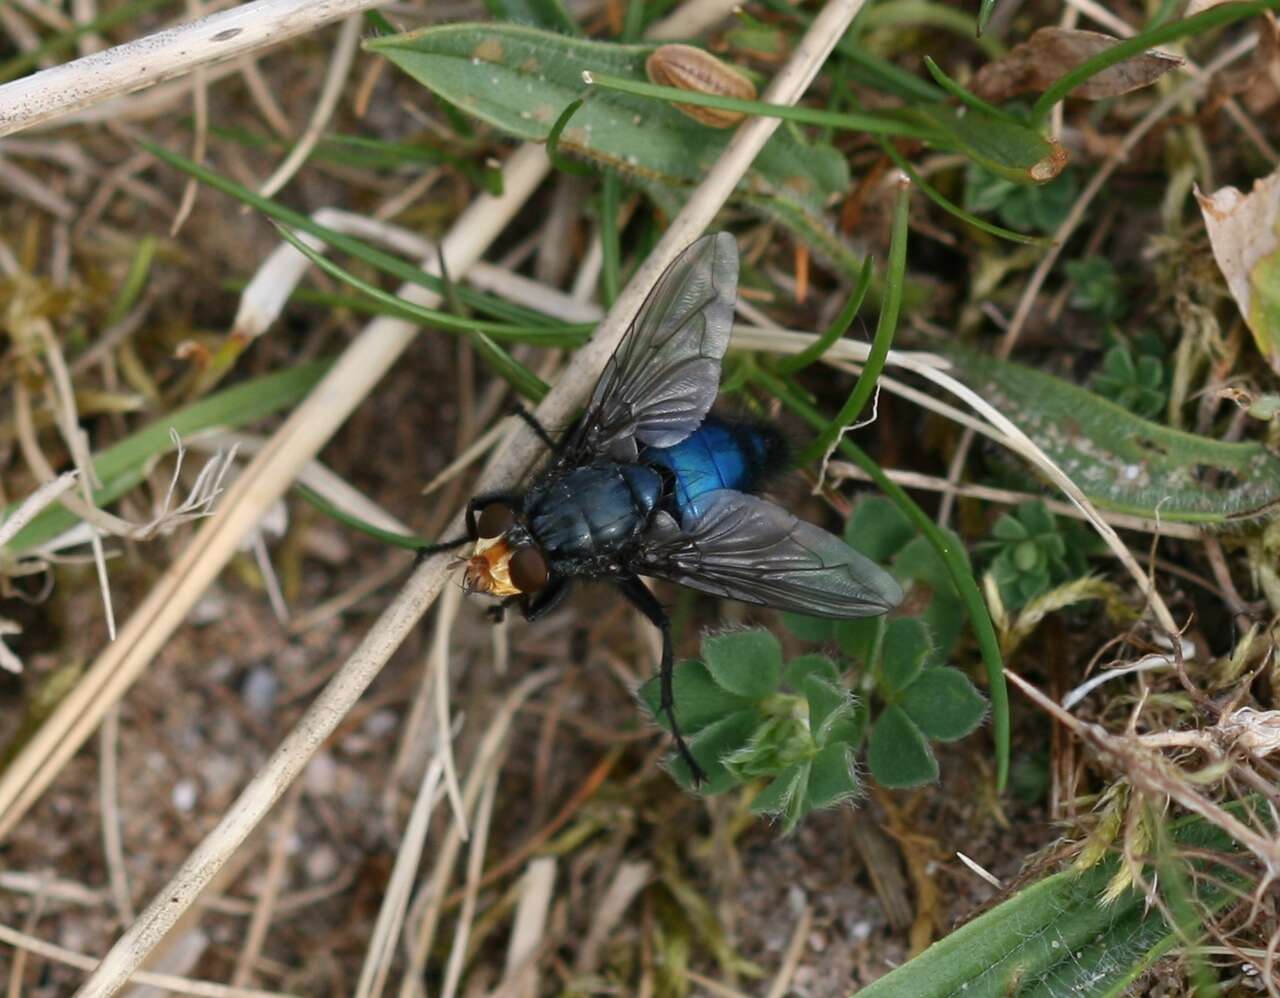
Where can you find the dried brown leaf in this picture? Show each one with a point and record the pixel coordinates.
(1042, 59)
(1257, 84)
(1244, 230)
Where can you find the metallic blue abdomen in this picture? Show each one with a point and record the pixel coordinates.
(717, 455)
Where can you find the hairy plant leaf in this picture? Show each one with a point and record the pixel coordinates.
(1121, 461)
(906, 649)
(898, 754)
(831, 778)
(944, 704)
(748, 663)
(700, 700)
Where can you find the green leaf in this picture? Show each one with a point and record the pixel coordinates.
(1122, 462)
(878, 528)
(831, 778)
(1003, 146)
(748, 663)
(898, 754)
(902, 657)
(829, 703)
(123, 465)
(1059, 937)
(849, 728)
(699, 699)
(783, 791)
(857, 638)
(816, 629)
(709, 747)
(886, 327)
(1024, 208)
(802, 667)
(519, 79)
(944, 703)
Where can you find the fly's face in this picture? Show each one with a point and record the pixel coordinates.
(504, 562)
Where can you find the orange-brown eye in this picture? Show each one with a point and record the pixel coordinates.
(495, 521)
(528, 570)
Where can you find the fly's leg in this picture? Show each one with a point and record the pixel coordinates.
(545, 599)
(534, 424)
(643, 600)
(427, 550)
(473, 506)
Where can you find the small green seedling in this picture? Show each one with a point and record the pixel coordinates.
(1026, 208)
(1033, 552)
(749, 716)
(1096, 287)
(1138, 384)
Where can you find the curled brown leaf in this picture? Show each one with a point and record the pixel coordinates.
(1037, 63)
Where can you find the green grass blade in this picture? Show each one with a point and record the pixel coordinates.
(956, 563)
(409, 541)
(837, 329)
(949, 206)
(885, 328)
(1058, 937)
(504, 365)
(386, 262)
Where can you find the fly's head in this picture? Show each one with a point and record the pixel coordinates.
(505, 561)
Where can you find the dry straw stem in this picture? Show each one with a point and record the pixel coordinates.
(263, 482)
(52, 93)
(314, 421)
(24, 942)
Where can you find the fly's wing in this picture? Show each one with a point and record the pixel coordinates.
(748, 549)
(662, 379)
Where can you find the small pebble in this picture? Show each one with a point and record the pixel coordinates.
(184, 795)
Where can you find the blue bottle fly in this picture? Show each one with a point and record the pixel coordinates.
(647, 483)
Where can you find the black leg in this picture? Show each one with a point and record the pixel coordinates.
(545, 599)
(643, 600)
(532, 422)
(427, 550)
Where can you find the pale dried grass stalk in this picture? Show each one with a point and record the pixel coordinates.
(25, 942)
(537, 887)
(344, 53)
(53, 93)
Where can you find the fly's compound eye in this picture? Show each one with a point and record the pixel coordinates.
(495, 521)
(528, 570)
